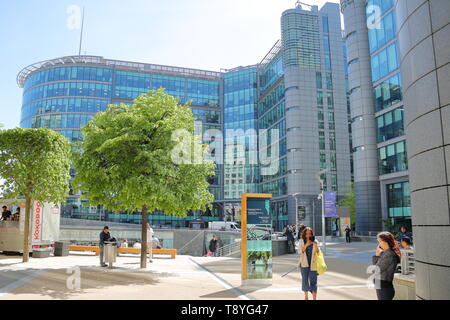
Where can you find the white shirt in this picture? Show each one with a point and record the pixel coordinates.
(137, 245)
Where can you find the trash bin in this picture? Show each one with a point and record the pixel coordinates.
(61, 249)
(110, 253)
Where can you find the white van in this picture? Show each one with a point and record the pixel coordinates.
(224, 225)
(45, 221)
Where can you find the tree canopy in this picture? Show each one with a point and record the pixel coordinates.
(34, 163)
(125, 160)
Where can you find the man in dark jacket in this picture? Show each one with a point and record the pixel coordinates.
(213, 245)
(6, 214)
(104, 236)
(348, 237)
(404, 234)
(290, 239)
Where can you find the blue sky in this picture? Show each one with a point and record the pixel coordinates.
(203, 34)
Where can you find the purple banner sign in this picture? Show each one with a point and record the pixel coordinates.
(330, 204)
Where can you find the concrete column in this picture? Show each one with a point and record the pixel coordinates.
(365, 158)
(424, 41)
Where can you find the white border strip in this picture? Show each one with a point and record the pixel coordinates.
(319, 287)
(220, 281)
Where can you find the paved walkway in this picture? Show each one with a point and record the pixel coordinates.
(182, 278)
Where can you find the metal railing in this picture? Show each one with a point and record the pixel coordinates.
(407, 261)
(229, 249)
(201, 234)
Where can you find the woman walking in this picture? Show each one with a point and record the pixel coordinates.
(308, 263)
(386, 258)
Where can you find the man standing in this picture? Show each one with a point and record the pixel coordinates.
(290, 239)
(104, 236)
(404, 234)
(348, 238)
(150, 234)
(6, 214)
(213, 245)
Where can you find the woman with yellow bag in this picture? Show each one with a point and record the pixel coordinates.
(311, 263)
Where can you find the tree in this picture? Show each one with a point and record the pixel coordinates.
(138, 158)
(34, 163)
(349, 201)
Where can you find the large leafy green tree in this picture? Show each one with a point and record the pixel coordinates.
(34, 163)
(138, 158)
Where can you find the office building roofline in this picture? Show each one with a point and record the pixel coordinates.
(118, 64)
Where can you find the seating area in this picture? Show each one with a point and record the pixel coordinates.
(96, 249)
(171, 252)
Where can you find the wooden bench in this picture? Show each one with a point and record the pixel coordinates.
(85, 248)
(172, 252)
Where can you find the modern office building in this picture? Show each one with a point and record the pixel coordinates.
(377, 114)
(424, 42)
(295, 99)
(399, 58)
(65, 93)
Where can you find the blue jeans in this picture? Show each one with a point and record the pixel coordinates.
(309, 279)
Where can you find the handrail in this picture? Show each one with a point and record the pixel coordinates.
(228, 249)
(407, 261)
(189, 242)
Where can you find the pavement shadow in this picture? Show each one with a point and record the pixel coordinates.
(58, 283)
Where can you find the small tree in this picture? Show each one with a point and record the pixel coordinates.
(349, 201)
(126, 160)
(34, 163)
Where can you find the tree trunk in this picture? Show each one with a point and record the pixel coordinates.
(26, 230)
(144, 237)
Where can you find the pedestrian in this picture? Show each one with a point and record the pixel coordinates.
(6, 214)
(104, 236)
(213, 245)
(290, 239)
(137, 245)
(386, 258)
(404, 233)
(348, 237)
(124, 243)
(406, 243)
(308, 263)
(150, 235)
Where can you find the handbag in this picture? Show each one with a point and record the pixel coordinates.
(321, 266)
(210, 254)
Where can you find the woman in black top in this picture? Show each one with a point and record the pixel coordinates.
(386, 259)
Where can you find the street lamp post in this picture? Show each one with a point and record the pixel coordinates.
(313, 213)
(296, 211)
(318, 174)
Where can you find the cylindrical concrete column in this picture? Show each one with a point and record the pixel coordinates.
(365, 156)
(424, 41)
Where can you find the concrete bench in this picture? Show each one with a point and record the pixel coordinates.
(171, 252)
(85, 248)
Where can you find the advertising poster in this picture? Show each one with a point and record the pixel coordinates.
(258, 239)
(330, 204)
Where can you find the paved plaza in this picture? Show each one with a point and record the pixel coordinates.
(183, 278)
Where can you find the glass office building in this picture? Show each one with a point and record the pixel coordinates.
(64, 94)
(380, 153)
(297, 90)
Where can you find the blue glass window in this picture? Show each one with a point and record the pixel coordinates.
(388, 93)
(390, 125)
(385, 62)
